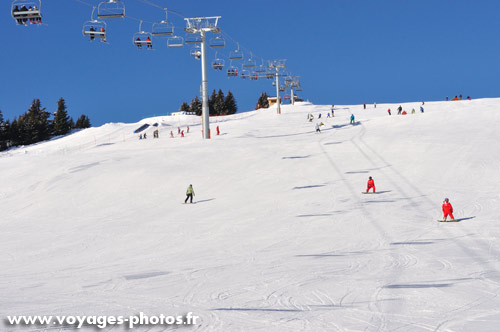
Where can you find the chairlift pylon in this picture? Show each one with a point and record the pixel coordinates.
(111, 9)
(27, 11)
(163, 28)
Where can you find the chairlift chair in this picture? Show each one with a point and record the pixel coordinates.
(217, 41)
(236, 54)
(24, 10)
(163, 28)
(175, 42)
(111, 9)
(95, 28)
(282, 88)
(218, 63)
(250, 62)
(245, 74)
(196, 52)
(143, 38)
(193, 39)
(232, 71)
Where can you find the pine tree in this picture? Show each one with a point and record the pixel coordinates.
(61, 120)
(230, 104)
(184, 107)
(196, 106)
(3, 133)
(35, 124)
(220, 105)
(71, 123)
(211, 103)
(14, 133)
(82, 122)
(263, 102)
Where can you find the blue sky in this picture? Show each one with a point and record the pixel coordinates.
(345, 52)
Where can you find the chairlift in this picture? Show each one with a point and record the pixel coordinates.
(95, 28)
(282, 88)
(270, 76)
(111, 9)
(217, 41)
(254, 76)
(142, 38)
(163, 28)
(236, 54)
(232, 71)
(250, 62)
(260, 69)
(286, 97)
(245, 74)
(24, 10)
(175, 42)
(196, 52)
(218, 63)
(193, 39)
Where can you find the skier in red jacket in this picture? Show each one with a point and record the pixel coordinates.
(447, 209)
(371, 184)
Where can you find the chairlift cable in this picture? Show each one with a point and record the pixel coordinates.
(85, 3)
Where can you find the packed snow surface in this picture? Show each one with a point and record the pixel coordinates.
(281, 237)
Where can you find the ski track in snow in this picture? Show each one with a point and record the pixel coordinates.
(281, 238)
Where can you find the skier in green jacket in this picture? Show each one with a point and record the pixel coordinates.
(189, 194)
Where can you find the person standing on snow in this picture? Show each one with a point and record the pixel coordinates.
(352, 119)
(370, 184)
(421, 109)
(189, 194)
(447, 209)
(400, 109)
(389, 111)
(318, 130)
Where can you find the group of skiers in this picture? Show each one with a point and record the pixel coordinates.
(102, 33)
(457, 98)
(403, 112)
(446, 207)
(149, 43)
(23, 19)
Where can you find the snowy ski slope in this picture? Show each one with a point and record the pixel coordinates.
(280, 238)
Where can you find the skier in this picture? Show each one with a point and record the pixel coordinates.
(182, 133)
(218, 130)
(421, 109)
(328, 115)
(370, 184)
(364, 105)
(412, 111)
(404, 113)
(375, 105)
(400, 109)
(171, 134)
(189, 194)
(389, 111)
(318, 130)
(447, 209)
(187, 131)
(319, 116)
(352, 119)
